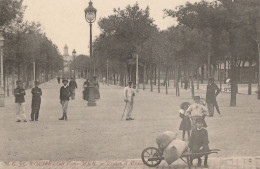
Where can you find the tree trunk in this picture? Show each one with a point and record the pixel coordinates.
(144, 76)
(220, 77)
(155, 75)
(225, 71)
(233, 69)
(192, 84)
(198, 82)
(159, 78)
(177, 80)
(202, 74)
(114, 76)
(166, 80)
(151, 77)
(249, 79)
(147, 74)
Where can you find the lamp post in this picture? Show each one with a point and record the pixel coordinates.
(2, 95)
(90, 16)
(74, 55)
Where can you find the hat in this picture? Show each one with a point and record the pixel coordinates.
(18, 82)
(64, 80)
(199, 120)
(196, 97)
(36, 82)
(211, 78)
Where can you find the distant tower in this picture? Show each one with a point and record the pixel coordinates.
(66, 55)
(67, 60)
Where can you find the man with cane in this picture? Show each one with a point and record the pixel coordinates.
(129, 99)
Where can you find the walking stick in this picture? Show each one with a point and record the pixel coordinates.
(124, 111)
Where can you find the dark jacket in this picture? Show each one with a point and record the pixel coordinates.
(65, 93)
(212, 92)
(36, 96)
(73, 84)
(198, 139)
(19, 95)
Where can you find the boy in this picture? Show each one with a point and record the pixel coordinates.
(36, 101)
(19, 93)
(64, 98)
(199, 142)
(197, 110)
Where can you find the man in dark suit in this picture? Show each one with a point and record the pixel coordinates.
(65, 94)
(211, 94)
(73, 86)
(36, 101)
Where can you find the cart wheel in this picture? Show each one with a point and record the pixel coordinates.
(151, 156)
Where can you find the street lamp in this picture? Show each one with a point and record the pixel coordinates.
(90, 16)
(2, 95)
(74, 55)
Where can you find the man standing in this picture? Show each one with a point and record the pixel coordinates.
(64, 98)
(19, 93)
(211, 94)
(129, 99)
(73, 86)
(36, 101)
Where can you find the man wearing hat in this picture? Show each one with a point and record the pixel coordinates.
(36, 101)
(73, 85)
(197, 110)
(211, 95)
(19, 93)
(65, 94)
(129, 94)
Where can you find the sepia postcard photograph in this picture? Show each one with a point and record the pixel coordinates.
(129, 84)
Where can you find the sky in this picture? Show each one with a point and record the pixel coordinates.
(64, 22)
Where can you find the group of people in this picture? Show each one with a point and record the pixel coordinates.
(19, 94)
(66, 91)
(193, 118)
(87, 85)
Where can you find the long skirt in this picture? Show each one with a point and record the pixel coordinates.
(185, 124)
(86, 94)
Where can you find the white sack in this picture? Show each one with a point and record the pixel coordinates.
(165, 138)
(174, 150)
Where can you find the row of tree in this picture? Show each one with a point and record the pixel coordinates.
(208, 33)
(25, 44)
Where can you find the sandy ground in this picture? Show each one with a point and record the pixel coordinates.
(96, 133)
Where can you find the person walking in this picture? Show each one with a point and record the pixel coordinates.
(58, 78)
(86, 90)
(186, 82)
(19, 94)
(129, 99)
(211, 97)
(36, 101)
(96, 88)
(73, 86)
(64, 98)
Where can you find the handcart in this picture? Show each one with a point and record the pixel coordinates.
(152, 156)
